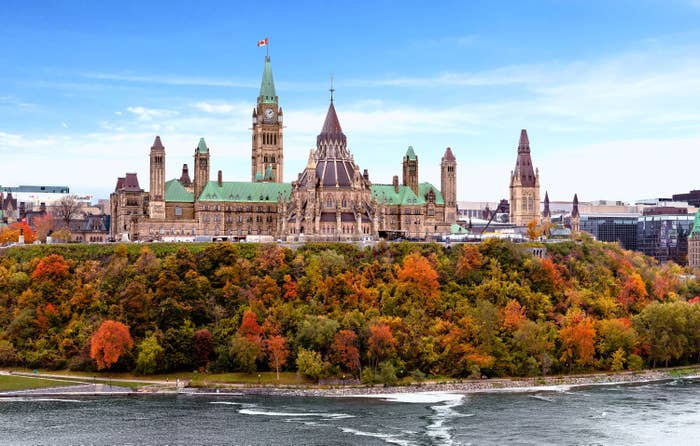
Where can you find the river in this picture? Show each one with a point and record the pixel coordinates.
(652, 413)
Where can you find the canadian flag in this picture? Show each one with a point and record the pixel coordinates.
(262, 42)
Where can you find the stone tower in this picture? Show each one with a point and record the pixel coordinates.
(546, 213)
(524, 186)
(448, 185)
(410, 170)
(201, 167)
(156, 203)
(267, 154)
(575, 216)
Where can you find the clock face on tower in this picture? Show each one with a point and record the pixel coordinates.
(269, 114)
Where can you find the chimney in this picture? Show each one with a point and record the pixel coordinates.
(220, 179)
(395, 182)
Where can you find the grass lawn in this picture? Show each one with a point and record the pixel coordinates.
(264, 378)
(9, 383)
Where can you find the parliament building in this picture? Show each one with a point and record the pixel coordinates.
(331, 199)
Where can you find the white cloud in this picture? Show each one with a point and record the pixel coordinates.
(148, 114)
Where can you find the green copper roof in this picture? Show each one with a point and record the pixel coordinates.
(410, 154)
(405, 195)
(457, 229)
(245, 192)
(202, 146)
(267, 86)
(696, 225)
(268, 173)
(174, 191)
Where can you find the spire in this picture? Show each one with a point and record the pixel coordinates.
(546, 213)
(332, 90)
(448, 156)
(267, 86)
(574, 208)
(185, 176)
(157, 144)
(524, 143)
(202, 146)
(331, 126)
(410, 154)
(523, 166)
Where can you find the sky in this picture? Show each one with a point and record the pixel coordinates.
(609, 91)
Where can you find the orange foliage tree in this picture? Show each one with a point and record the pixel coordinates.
(418, 275)
(578, 338)
(109, 342)
(277, 352)
(11, 233)
(52, 267)
(633, 291)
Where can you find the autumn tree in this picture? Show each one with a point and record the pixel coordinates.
(381, 342)
(345, 349)
(578, 338)
(277, 352)
(11, 233)
(417, 278)
(109, 343)
(43, 226)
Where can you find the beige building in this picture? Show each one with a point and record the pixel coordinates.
(524, 186)
(694, 243)
(331, 198)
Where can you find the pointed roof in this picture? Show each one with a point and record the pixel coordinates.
(331, 126)
(185, 177)
(267, 86)
(695, 231)
(523, 166)
(448, 156)
(202, 146)
(410, 154)
(157, 144)
(574, 208)
(546, 213)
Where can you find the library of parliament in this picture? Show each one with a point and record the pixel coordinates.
(331, 199)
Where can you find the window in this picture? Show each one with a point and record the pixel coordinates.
(178, 211)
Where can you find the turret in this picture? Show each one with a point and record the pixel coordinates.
(410, 170)
(448, 185)
(201, 167)
(156, 204)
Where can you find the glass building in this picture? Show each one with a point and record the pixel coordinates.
(621, 228)
(665, 236)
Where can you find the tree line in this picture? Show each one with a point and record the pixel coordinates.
(323, 310)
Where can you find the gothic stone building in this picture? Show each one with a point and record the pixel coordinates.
(524, 186)
(330, 200)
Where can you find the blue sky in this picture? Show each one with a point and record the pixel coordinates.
(608, 90)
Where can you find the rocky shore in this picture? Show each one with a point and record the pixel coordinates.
(538, 384)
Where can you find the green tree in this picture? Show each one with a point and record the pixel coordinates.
(151, 355)
(310, 364)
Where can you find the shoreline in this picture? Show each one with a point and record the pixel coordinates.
(496, 385)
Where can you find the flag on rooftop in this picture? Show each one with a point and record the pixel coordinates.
(262, 42)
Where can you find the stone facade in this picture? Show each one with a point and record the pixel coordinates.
(524, 186)
(331, 198)
(694, 243)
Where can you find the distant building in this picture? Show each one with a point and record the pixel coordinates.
(694, 243)
(331, 199)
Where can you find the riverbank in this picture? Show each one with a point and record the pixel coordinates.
(538, 384)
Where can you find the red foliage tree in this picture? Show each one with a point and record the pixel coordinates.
(250, 329)
(109, 342)
(381, 342)
(277, 352)
(345, 349)
(203, 347)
